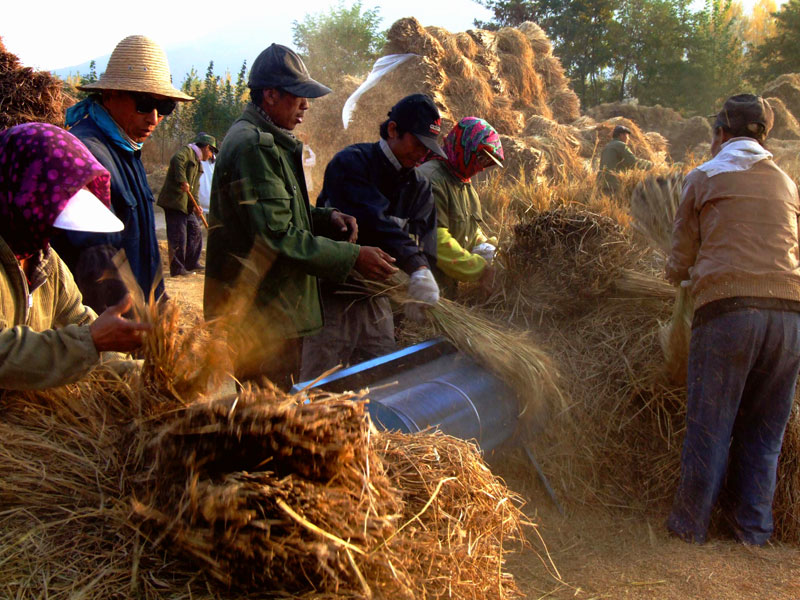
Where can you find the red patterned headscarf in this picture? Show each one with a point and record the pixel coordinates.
(467, 142)
(41, 167)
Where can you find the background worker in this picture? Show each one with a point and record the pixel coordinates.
(379, 185)
(259, 199)
(49, 180)
(735, 239)
(182, 215)
(463, 251)
(616, 157)
(132, 97)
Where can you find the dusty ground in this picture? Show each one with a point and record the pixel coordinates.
(603, 554)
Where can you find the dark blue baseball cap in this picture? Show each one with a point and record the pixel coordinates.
(418, 114)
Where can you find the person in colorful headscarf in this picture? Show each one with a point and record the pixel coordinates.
(50, 181)
(464, 252)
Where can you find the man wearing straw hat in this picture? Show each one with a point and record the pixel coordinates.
(127, 103)
(260, 207)
(182, 212)
(735, 243)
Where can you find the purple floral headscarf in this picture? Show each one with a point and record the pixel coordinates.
(41, 167)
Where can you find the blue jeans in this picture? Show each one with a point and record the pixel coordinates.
(743, 368)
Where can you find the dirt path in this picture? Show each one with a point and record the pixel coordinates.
(604, 555)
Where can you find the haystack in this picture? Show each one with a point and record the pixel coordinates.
(27, 95)
(681, 134)
(786, 126)
(505, 77)
(117, 488)
(787, 89)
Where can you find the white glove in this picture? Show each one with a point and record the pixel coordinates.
(485, 251)
(422, 288)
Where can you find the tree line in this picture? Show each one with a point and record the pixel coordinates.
(662, 51)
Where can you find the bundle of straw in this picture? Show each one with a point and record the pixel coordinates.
(654, 203)
(115, 488)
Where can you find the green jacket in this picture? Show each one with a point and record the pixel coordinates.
(259, 200)
(44, 328)
(184, 167)
(616, 157)
(458, 219)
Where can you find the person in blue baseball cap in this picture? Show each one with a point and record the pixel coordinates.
(380, 186)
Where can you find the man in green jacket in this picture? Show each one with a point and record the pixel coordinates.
(616, 157)
(260, 208)
(184, 230)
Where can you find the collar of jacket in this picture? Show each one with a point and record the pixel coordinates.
(284, 139)
(42, 266)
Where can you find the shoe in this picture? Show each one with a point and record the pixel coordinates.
(199, 268)
(183, 273)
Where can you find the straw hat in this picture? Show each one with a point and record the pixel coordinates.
(138, 64)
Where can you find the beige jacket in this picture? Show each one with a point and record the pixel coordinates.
(44, 328)
(736, 235)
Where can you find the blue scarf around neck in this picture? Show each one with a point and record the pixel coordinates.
(91, 107)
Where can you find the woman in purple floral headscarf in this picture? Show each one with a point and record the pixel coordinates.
(41, 167)
(49, 179)
(464, 252)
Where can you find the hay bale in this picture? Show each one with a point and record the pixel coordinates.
(552, 72)
(520, 158)
(787, 89)
(408, 36)
(538, 39)
(29, 96)
(786, 126)
(112, 490)
(684, 137)
(565, 106)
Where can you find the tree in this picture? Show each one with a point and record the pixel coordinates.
(716, 56)
(343, 41)
(761, 24)
(651, 38)
(780, 52)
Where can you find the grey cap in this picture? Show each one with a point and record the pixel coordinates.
(746, 111)
(281, 67)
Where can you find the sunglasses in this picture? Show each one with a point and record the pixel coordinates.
(145, 103)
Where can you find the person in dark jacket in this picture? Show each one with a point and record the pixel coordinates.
(132, 97)
(617, 157)
(379, 185)
(260, 210)
(184, 227)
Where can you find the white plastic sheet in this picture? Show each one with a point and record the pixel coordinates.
(204, 195)
(382, 66)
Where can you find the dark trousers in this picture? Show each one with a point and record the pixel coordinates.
(743, 368)
(356, 329)
(184, 239)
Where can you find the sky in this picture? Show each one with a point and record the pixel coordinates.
(62, 34)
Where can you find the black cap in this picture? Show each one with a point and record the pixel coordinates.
(281, 67)
(746, 111)
(619, 130)
(418, 114)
